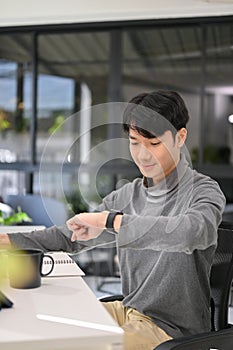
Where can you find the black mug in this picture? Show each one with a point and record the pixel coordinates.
(25, 268)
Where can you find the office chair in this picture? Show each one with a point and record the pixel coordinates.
(221, 336)
(42, 210)
(228, 213)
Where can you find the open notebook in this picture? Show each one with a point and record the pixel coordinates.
(63, 265)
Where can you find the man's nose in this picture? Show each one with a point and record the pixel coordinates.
(144, 153)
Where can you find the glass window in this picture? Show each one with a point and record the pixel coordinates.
(79, 69)
(72, 75)
(15, 98)
(15, 108)
(15, 101)
(218, 140)
(166, 58)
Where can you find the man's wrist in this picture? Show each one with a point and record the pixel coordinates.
(104, 215)
(4, 241)
(117, 222)
(113, 221)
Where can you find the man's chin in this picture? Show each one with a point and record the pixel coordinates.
(155, 176)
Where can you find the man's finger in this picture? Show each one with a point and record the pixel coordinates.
(79, 234)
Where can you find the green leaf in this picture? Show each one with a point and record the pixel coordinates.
(15, 218)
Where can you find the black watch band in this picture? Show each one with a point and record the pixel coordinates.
(110, 220)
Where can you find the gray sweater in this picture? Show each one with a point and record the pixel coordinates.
(165, 246)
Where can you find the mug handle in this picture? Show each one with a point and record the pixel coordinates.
(52, 266)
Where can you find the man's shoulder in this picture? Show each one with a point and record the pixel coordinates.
(131, 186)
(200, 178)
(205, 185)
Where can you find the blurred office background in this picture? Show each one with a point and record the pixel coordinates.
(56, 59)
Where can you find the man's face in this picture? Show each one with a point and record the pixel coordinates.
(156, 157)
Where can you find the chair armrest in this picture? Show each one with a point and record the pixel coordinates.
(112, 298)
(222, 339)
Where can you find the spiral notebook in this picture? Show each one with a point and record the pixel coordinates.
(63, 265)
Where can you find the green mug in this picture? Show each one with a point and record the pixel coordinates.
(25, 268)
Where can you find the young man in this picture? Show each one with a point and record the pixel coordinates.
(165, 227)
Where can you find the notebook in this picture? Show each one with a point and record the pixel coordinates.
(28, 228)
(63, 265)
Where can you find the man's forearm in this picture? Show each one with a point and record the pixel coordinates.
(5, 242)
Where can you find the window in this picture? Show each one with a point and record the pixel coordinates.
(47, 77)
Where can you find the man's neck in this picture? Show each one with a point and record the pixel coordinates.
(158, 179)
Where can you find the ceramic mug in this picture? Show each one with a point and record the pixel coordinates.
(25, 268)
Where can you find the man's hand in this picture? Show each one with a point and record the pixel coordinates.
(87, 226)
(5, 242)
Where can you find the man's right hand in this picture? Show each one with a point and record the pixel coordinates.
(5, 242)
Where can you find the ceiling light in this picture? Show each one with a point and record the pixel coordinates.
(230, 118)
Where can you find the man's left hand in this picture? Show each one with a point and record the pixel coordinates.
(87, 226)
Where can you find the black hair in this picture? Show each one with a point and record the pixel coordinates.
(153, 113)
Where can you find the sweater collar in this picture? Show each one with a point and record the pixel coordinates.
(171, 181)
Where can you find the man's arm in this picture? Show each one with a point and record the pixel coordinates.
(49, 239)
(86, 226)
(194, 226)
(52, 239)
(5, 242)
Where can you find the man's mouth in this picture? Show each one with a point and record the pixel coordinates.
(147, 166)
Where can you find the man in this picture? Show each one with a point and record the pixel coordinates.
(165, 227)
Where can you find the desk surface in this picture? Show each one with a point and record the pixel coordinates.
(61, 314)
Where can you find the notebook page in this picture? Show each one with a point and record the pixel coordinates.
(63, 265)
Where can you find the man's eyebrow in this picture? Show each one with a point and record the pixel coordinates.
(132, 137)
(135, 138)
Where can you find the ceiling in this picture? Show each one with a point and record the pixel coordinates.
(78, 11)
(171, 56)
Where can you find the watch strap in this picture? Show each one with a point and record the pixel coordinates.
(110, 220)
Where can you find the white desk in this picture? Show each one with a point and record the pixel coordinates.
(62, 314)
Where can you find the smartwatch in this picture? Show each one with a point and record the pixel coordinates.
(110, 220)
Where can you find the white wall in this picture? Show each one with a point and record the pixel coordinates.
(29, 12)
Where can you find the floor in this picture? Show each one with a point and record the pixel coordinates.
(104, 286)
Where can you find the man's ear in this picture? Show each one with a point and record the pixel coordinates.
(181, 137)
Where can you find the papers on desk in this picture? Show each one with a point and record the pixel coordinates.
(12, 229)
(63, 265)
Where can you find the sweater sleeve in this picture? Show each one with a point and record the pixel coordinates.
(193, 228)
(57, 239)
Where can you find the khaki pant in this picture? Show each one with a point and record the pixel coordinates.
(140, 332)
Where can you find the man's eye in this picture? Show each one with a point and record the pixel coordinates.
(133, 143)
(155, 143)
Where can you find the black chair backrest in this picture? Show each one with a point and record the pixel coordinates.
(222, 275)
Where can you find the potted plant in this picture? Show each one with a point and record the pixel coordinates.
(14, 218)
